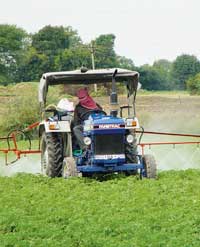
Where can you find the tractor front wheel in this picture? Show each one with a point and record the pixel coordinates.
(149, 166)
(51, 154)
(69, 168)
(131, 151)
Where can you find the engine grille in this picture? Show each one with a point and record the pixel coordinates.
(109, 144)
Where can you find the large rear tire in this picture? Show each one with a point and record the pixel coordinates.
(150, 166)
(52, 154)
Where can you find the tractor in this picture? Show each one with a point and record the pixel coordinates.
(110, 137)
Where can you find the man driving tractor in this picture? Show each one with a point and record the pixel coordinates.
(82, 111)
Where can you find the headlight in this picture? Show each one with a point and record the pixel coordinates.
(87, 140)
(130, 138)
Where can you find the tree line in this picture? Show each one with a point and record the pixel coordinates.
(25, 57)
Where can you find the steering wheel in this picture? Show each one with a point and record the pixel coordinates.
(92, 111)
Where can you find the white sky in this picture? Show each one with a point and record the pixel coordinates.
(146, 30)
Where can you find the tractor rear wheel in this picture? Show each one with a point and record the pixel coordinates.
(52, 154)
(149, 166)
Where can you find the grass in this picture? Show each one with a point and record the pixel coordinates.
(164, 93)
(124, 212)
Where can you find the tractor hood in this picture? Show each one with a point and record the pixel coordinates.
(107, 120)
(128, 77)
(96, 122)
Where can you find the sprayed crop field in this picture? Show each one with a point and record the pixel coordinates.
(118, 211)
(39, 211)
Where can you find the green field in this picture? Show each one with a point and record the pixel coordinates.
(125, 212)
(117, 212)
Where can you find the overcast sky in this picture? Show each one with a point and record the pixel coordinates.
(146, 30)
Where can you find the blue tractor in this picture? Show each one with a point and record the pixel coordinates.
(110, 137)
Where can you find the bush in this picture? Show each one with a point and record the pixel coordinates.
(193, 85)
(3, 80)
(21, 109)
(101, 91)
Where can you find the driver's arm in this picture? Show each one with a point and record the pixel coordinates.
(79, 111)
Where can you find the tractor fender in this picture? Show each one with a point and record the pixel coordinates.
(54, 126)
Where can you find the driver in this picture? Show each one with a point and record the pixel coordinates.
(86, 104)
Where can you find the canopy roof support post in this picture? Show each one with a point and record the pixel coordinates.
(113, 97)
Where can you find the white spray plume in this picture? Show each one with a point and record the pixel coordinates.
(28, 164)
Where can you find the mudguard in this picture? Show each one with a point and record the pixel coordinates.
(55, 126)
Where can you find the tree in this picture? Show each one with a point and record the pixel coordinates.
(163, 67)
(125, 63)
(163, 64)
(73, 58)
(184, 67)
(53, 40)
(152, 79)
(13, 44)
(34, 65)
(12, 38)
(193, 84)
(105, 56)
